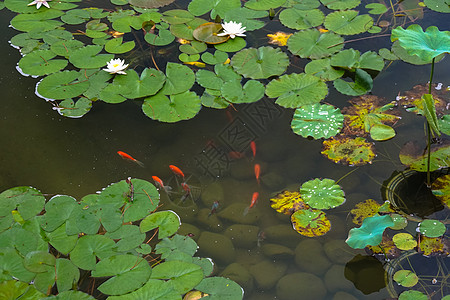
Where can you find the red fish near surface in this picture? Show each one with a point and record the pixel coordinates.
(252, 203)
(177, 171)
(160, 183)
(253, 147)
(129, 157)
(257, 171)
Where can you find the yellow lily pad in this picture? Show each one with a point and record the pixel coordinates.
(404, 241)
(288, 202)
(441, 189)
(363, 210)
(429, 246)
(349, 151)
(310, 222)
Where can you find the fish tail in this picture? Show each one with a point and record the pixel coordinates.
(246, 210)
(139, 163)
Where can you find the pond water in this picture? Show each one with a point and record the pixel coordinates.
(76, 157)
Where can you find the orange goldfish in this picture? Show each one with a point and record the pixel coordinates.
(160, 184)
(236, 154)
(257, 171)
(176, 171)
(129, 157)
(253, 147)
(252, 203)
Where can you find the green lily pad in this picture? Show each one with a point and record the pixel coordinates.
(129, 273)
(66, 48)
(301, 19)
(41, 62)
(153, 289)
(404, 241)
(252, 91)
(438, 5)
(14, 289)
(62, 85)
(444, 124)
(185, 30)
(69, 108)
(295, 90)
(317, 120)
(194, 47)
(323, 69)
(362, 84)
(349, 151)
(12, 267)
(400, 222)
(260, 63)
(264, 4)
(28, 201)
(217, 7)
(426, 45)
(62, 242)
(39, 261)
(322, 194)
(342, 4)
(288, 202)
(310, 222)
(219, 57)
(406, 278)
(183, 276)
(150, 3)
(431, 228)
(188, 58)
(163, 38)
(441, 189)
(167, 221)
(117, 47)
(179, 79)
(413, 155)
(208, 33)
(66, 273)
(412, 295)
(351, 59)
(88, 57)
(387, 54)
(220, 288)
(348, 22)
(133, 86)
(312, 44)
(129, 237)
(76, 16)
(376, 8)
(381, 132)
(172, 109)
(306, 4)
(176, 243)
(37, 22)
(232, 45)
(58, 210)
(177, 16)
(213, 101)
(370, 233)
(249, 18)
(88, 248)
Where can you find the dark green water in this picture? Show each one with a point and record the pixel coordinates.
(76, 157)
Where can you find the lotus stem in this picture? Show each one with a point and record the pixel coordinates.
(429, 129)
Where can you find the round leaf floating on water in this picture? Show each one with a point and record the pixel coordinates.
(381, 132)
(172, 109)
(182, 275)
(317, 120)
(62, 85)
(310, 222)
(322, 194)
(252, 91)
(163, 38)
(260, 63)
(177, 16)
(438, 5)
(116, 46)
(208, 33)
(323, 69)
(412, 295)
(431, 228)
(219, 57)
(370, 233)
(301, 19)
(288, 202)
(349, 151)
(430, 246)
(441, 189)
(412, 155)
(348, 22)
(295, 90)
(232, 45)
(376, 8)
(264, 4)
(150, 3)
(362, 84)
(69, 108)
(220, 288)
(88, 57)
(400, 222)
(404, 241)
(179, 78)
(167, 221)
(406, 278)
(342, 4)
(41, 62)
(312, 44)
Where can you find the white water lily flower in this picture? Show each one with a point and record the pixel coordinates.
(116, 66)
(38, 3)
(232, 29)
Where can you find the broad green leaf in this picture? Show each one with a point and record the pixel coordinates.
(370, 233)
(444, 124)
(75, 16)
(41, 62)
(183, 276)
(185, 31)
(362, 84)
(62, 85)
(406, 278)
(376, 8)
(176, 243)
(402, 54)
(66, 48)
(381, 132)
(39, 261)
(342, 4)
(37, 22)
(179, 79)
(71, 295)
(317, 120)
(88, 57)
(172, 108)
(349, 151)
(194, 47)
(217, 7)
(67, 274)
(133, 86)
(11, 266)
(431, 228)
(306, 4)
(252, 91)
(348, 22)
(167, 221)
(88, 248)
(129, 273)
(310, 222)
(323, 69)
(219, 288)
(232, 45)
(129, 237)
(163, 38)
(177, 16)
(154, 289)
(412, 295)
(264, 4)
(219, 57)
(14, 289)
(404, 241)
(301, 19)
(295, 90)
(312, 44)
(413, 155)
(426, 45)
(69, 108)
(400, 222)
(260, 63)
(207, 33)
(322, 194)
(116, 46)
(62, 242)
(430, 113)
(249, 18)
(438, 5)
(28, 201)
(58, 210)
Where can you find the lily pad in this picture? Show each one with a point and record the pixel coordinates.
(429, 246)
(219, 57)
(58, 210)
(37, 22)
(362, 210)
(362, 84)
(412, 295)
(348, 22)
(413, 155)
(249, 18)
(264, 4)
(88, 248)
(376, 8)
(349, 151)
(351, 59)
(117, 47)
(441, 189)
(194, 47)
(177, 16)
(28, 201)
(426, 45)
(217, 7)
(312, 44)
(260, 63)
(317, 120)
(323, 69)
(41, 62)
(252, 91)
(322, 194)
(208, 33)
(184, 31)
(150, 3)
(381, 132)
(306, 4)
(220, 288)
(295, 90)
(370, 232)
(74, 109)
(288, 202)
(182, 276)
(301, 19)
(172, 109)
(179, 79)
(62, 85)
(88, 57)
(310, 222)
(400, 222)
(431, 228)
(167, 221)
(232, 45)
(343, 4)
(404, 241)
(162, 38)
(438, 5)
(406, 278)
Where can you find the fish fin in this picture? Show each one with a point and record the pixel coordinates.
(139, 163)
(246, 210)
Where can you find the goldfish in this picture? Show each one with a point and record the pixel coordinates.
(236, 154)
(214, 208)
(187, 191)
(252, 203)
(129, 157)
(253, 147)
(257, 171)
(176, 171)
(160, 184)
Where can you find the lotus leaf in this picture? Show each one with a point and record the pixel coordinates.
(185, 31)
(264, 4)
(37, 22)
(150, 3)
(362, 210)
(14, 289)
(323, 69)
(217, 7)
(429, 246)
(413, 155)
(163, 38)
(168, 223)
(317, 120)
(295, 90)
(431, 228)
(260, 63)
(153, 289)
(426, 45)
(370, 232)
(279, 38)
(233, 92)
(183, 276)
(412, 295)
(208, 33)
(171, 109)
(404, 241)
(438, 5)
(219, 57)
(116, 46)
(362, 84)
(71, 109)
(28, 201)
(62, 242)
(288, 202)
(381, 132)
(220, 288)
(301, 19)
(348, 22)
(444, 124)
(312, 44)
(402, 54)
(412, 99)
(345, 4)
(441, 189)
(246, 17)
(349, 151)
(310, 222)
(232, 45)
(400, 222)
(179, 79)
(427, 108)
(322, 194)
(406, 278)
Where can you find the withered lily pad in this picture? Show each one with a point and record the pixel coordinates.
(363, 210)
(386, 249)
(208, 33)
(429, 246)
(441, 189)
(349, 151)
(322, 194)
(288, 202)
(310, 222)
(415, 157)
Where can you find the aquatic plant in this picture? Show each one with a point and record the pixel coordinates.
(53, 246)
